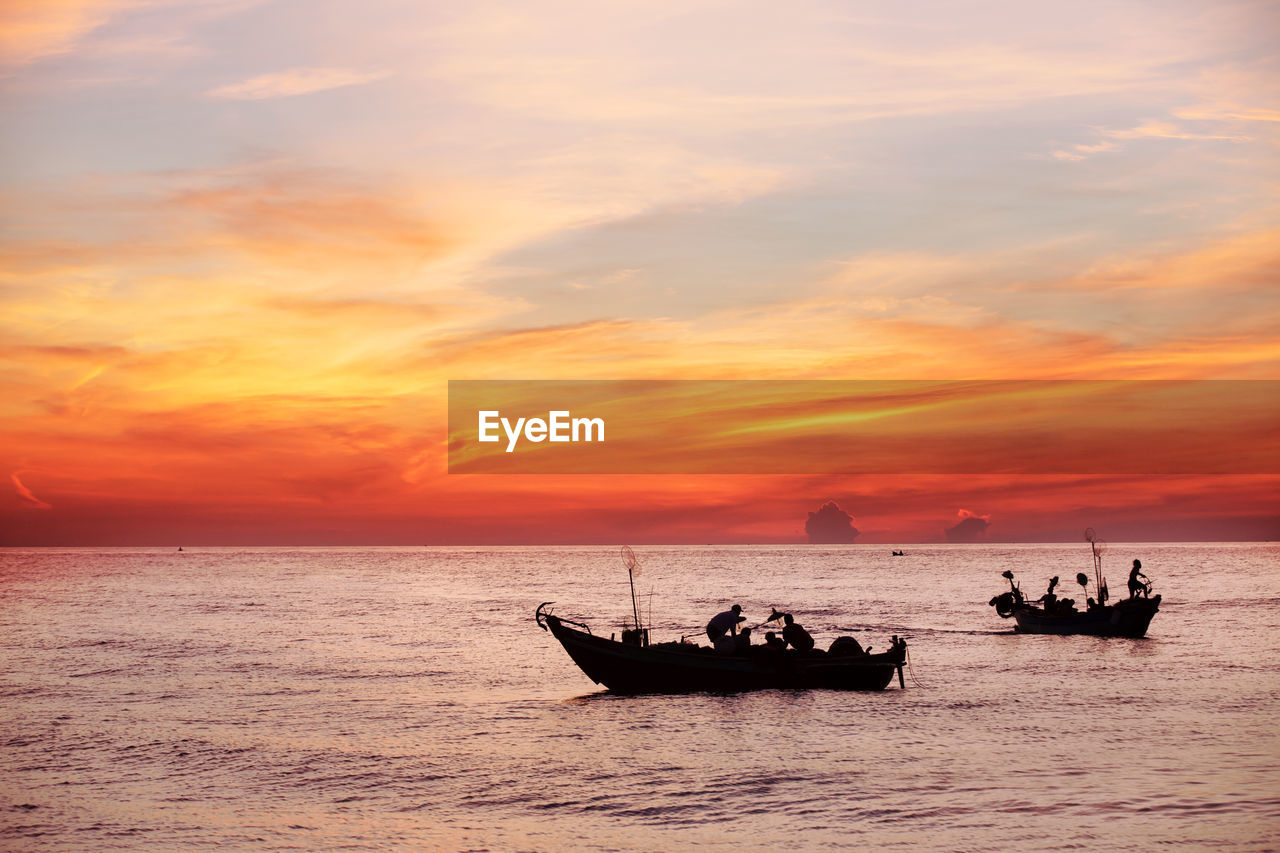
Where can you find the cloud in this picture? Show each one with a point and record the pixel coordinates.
(970, 528)
(1168, 130)
(1242, 90)
(32, 30)
(24, 493)
(1221, 113)
(296, 81)
(1147, 130)
(1248, 260)
(1076, 153)
(855, 67)
(830, 525)
(310, 214)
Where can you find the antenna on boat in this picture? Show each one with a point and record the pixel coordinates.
(633, 569)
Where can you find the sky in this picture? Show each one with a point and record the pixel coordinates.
(245, 245)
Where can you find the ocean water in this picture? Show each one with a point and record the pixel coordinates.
(404, 699)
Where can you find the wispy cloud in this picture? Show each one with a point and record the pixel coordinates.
(1146, 130)
(25, 494)
(295, 81)
(1245, 261)
(32, 30)
(1226, 112)
(1168, 130)
(1076, 153)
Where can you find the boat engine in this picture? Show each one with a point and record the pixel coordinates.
(1004, 604)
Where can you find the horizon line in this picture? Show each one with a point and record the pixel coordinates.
(616, 544)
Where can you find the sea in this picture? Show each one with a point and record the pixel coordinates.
(380, 699)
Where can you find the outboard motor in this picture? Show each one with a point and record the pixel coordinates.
(1004, 604)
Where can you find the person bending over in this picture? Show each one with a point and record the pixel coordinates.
(725, 623)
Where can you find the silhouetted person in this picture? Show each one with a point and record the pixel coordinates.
(725, 623)
(770, 651)
(795, 635)
(1137, 586)
(742, 642)
(1049, 600)
(1013, 587)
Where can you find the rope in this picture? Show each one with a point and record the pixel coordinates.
(912, 670)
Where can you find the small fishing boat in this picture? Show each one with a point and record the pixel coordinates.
(633, 665)
(1049, 614)
(1127, 618)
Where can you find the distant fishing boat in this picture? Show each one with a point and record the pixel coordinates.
(634, 665)
(1129, 617)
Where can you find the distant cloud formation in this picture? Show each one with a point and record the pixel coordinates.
(830, 525)
(24, 493)
(296, 81)
(970, 528)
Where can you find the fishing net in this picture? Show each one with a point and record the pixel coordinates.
(629, 558)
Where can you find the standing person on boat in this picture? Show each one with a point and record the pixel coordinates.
(725, 623)
(795, 635)
(1137, 586)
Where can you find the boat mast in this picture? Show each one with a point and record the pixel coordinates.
(629, 557)
(1098, 547)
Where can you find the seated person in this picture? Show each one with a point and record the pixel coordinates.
(773, 641)
(796, 636)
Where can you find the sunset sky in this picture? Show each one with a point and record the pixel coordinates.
(245, 245)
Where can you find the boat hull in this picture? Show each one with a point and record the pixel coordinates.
(1128, 618)
(669, 668)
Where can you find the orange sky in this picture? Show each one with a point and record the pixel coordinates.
(246, 245)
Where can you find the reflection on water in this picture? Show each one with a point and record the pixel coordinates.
(404, 699)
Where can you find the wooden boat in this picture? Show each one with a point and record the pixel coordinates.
(632, 665)
(1127, 618)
